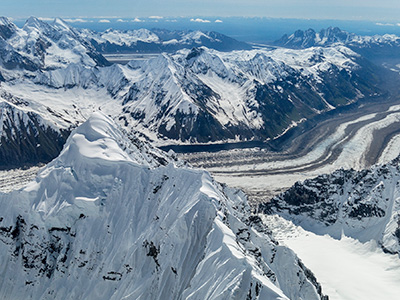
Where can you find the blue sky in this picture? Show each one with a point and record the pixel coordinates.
(382, 10)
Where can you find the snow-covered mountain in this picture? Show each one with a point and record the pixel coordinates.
(114, 218)
(203, 95)
(40, 45)
(197, 95)
(311, 38)
(363, 205)
(158, 40)
(377, 48)
(334, 35)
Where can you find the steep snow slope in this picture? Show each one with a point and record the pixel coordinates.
(113, 218)
(203, 95)
(364, 205)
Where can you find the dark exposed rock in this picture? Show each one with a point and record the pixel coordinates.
(152, 251)
(28, 143)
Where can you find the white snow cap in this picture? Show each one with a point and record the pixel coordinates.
(99, 138)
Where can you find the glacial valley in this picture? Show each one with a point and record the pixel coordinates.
(156, 164)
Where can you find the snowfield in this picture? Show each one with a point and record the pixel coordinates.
(347, 268)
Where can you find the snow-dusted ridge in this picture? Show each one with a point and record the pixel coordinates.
(111, 219)
(335, 36)
(40, 45)
(158, 40)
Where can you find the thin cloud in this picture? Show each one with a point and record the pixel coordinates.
(137, 20)
(78, 20)
(218, 21)
(385, 24)
(156, 17)
(121, 21)
(45, 19)
(198, 20)
(104, 21)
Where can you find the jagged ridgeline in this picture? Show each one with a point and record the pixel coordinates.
(159, 40)
(114, 218)
(375, 47)
(54, 76)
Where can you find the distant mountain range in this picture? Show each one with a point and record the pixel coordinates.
(159, 40)
(54, 77)
(333, 36)
(371, 47)
(39, 45)
(42, 45)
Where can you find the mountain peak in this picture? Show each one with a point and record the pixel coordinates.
(7, 28)
(195, 52)
(4, 21)
(310, 38)
(99, 138)
(138, 232)
(61, 24)
(35, 23)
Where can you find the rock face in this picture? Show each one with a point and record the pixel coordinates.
(26, 138)
(360, 204)
(113, 218)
